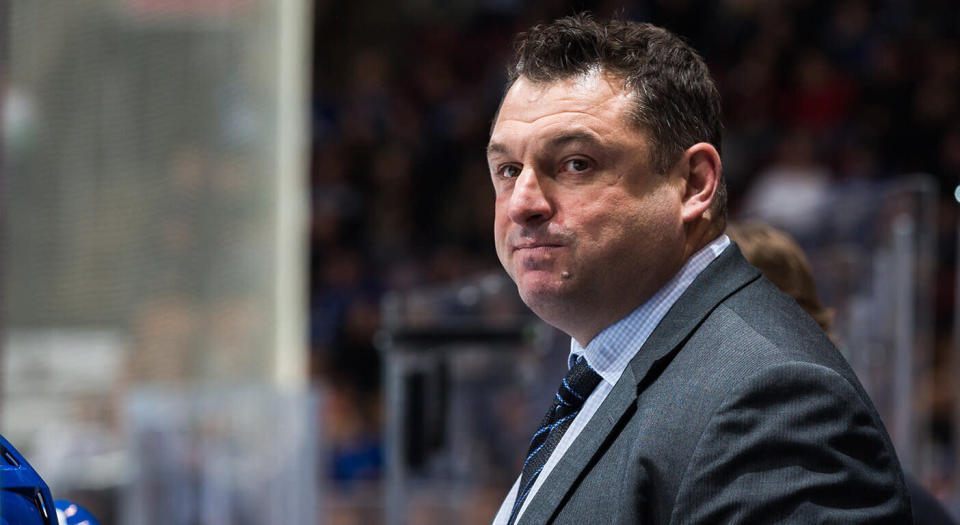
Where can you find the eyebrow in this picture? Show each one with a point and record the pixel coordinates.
(496, 147)
(554, 142)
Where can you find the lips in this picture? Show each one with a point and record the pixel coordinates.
(536, 245)
(522, 241)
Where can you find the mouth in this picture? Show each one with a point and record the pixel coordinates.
(536, 246)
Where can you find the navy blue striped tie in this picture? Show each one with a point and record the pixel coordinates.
(574, 390)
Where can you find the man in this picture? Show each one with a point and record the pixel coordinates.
(698, 393)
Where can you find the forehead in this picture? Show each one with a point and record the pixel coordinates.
(595, 101)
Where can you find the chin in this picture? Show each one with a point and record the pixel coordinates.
(543, 294)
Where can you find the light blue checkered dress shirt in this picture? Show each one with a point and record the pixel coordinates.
(610, 352)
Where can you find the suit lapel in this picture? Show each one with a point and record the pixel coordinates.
(724, 276)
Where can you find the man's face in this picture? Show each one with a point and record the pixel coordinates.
(583, 225)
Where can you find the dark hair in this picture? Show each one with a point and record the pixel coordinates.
(677, 101)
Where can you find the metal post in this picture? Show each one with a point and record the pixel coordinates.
(904, 338)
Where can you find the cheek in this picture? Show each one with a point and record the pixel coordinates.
(600, 220)
(625, 226)
(501, 224)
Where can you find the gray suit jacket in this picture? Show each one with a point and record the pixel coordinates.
(737, 409)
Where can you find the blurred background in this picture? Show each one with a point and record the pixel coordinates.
(246, 248)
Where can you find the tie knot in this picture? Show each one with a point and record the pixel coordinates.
(579, 383)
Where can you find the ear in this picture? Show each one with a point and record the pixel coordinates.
(700, 167)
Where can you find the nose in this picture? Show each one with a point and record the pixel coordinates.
(529, 202)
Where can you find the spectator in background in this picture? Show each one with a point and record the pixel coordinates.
(791, 192)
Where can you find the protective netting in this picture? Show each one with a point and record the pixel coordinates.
(153, 153)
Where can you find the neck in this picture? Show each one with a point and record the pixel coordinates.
(699, 234)
(604, 313)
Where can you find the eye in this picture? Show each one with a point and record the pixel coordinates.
(509, 171)
(576, 165)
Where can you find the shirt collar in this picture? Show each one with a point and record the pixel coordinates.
(613, 348)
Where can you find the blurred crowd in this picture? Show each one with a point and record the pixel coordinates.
(818, 95)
